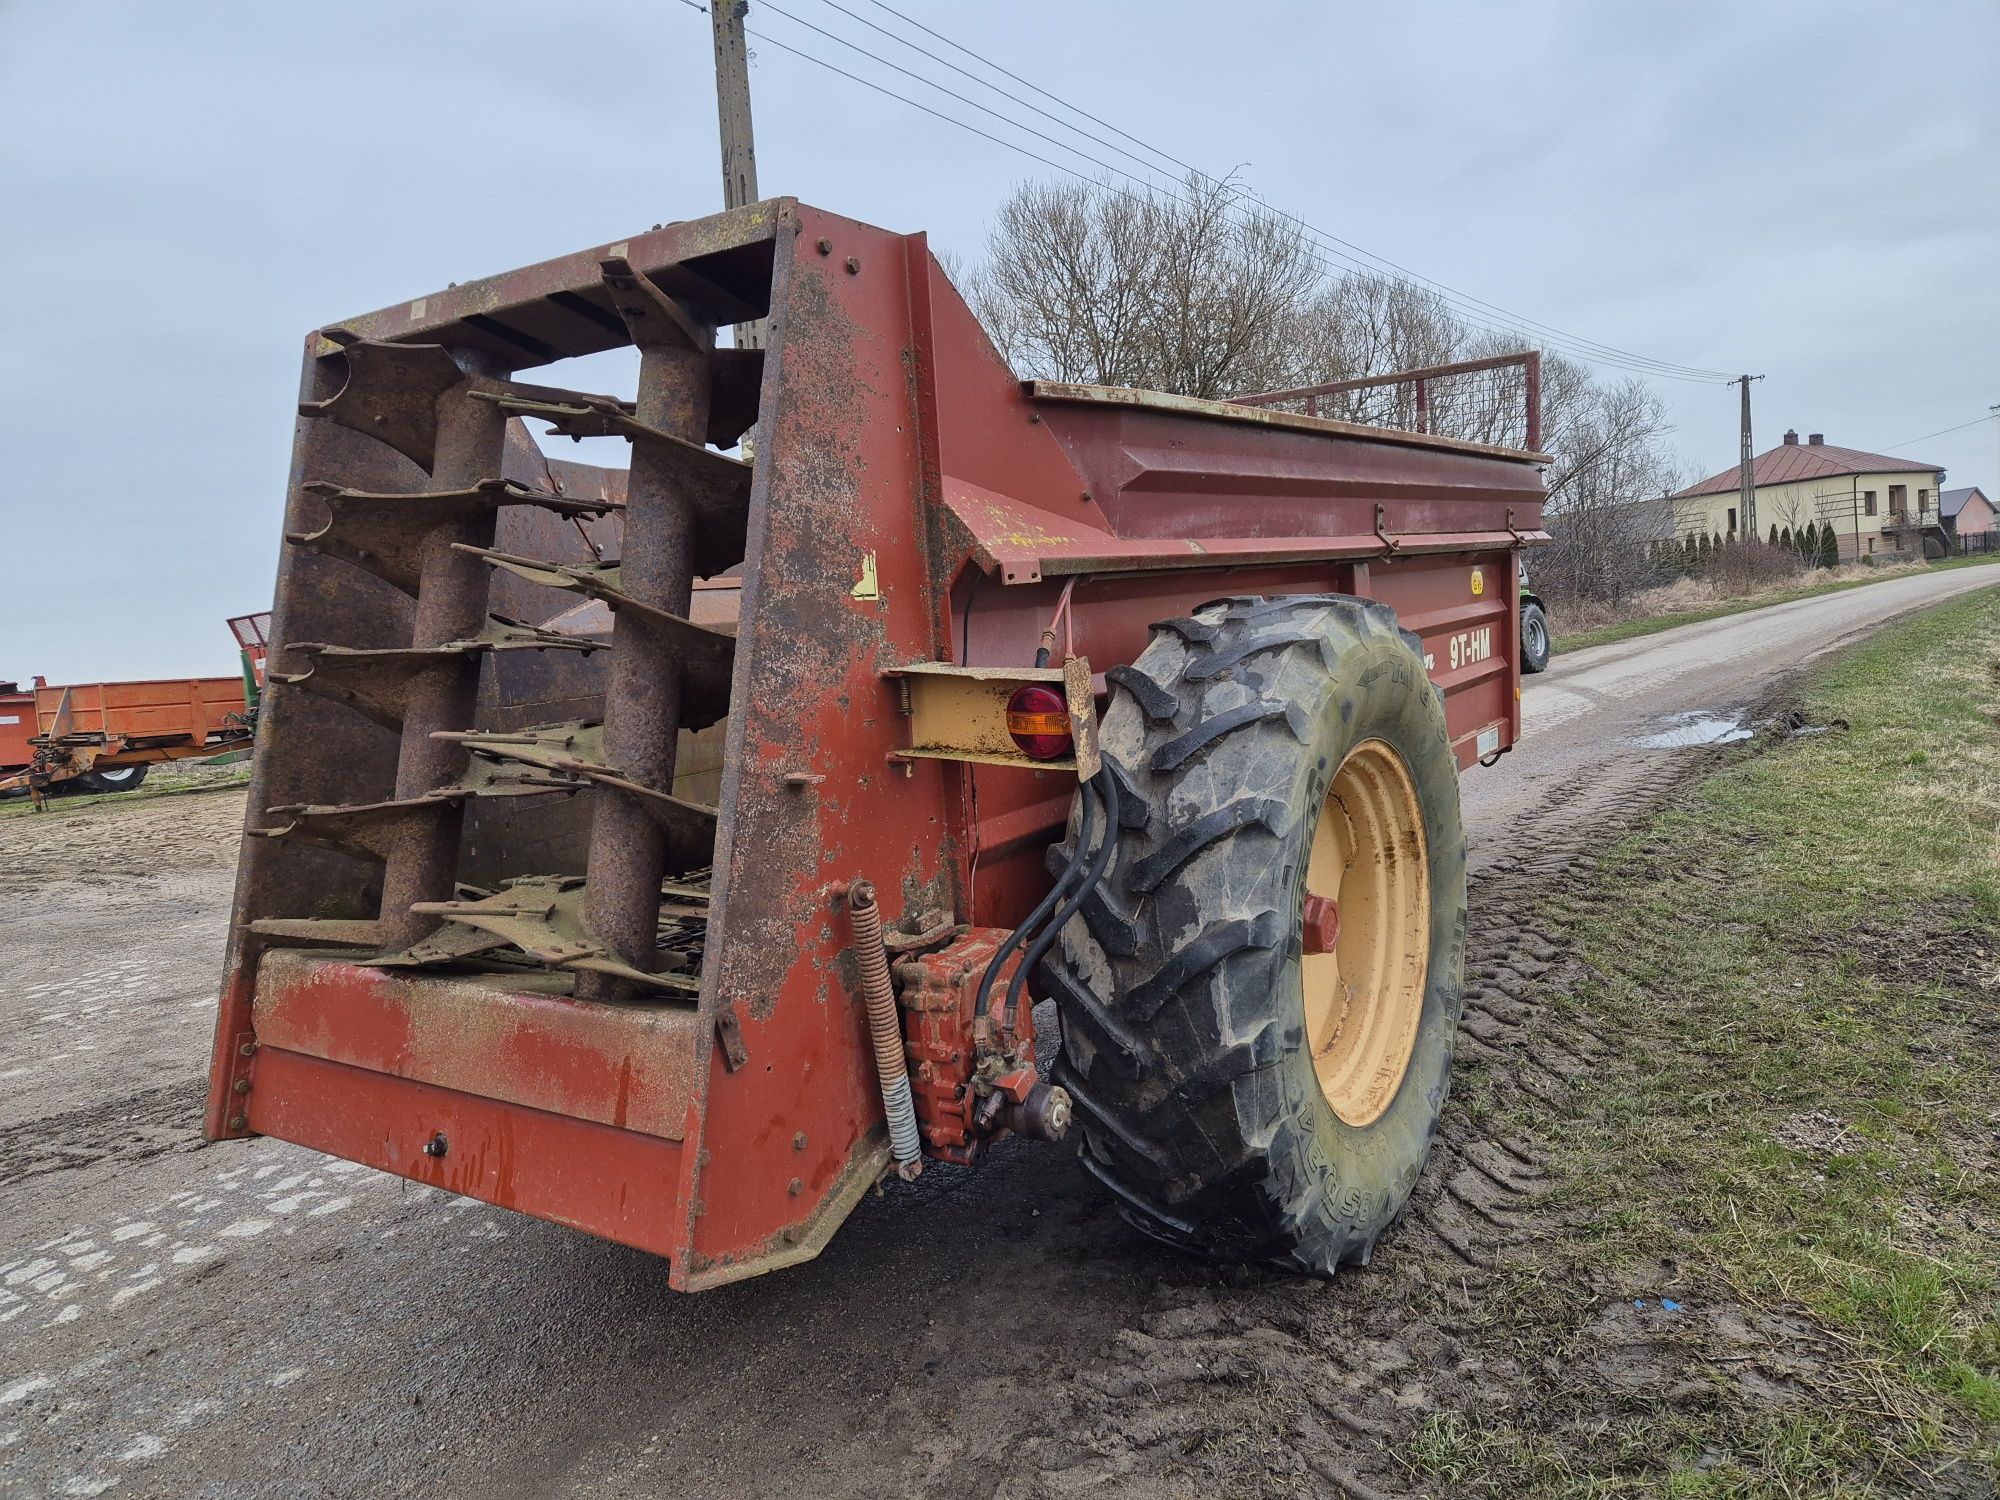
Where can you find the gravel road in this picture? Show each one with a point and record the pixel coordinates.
(1580, 717)
(254, 1319)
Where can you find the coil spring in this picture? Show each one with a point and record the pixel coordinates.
(885, 1027)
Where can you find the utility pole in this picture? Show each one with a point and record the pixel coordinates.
(732, 108)
(1746, 504)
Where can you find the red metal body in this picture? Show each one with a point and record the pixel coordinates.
(17, 726)
(910, 502)
(138, 715)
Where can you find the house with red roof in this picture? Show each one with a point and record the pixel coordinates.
(1877, 505)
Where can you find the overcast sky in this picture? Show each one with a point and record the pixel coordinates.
(1808, 191)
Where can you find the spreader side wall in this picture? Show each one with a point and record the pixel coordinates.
(1470, 643)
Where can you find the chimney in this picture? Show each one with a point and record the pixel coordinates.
(1791, 438)
(1817, 440)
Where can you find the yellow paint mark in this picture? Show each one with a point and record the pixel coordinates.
(1478, 582)
(417, 308)
(1011, 532)
(866, 586)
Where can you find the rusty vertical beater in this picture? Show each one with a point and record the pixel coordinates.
(642, 700)
(451, 606)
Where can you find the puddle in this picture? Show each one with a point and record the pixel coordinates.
(1683, 730)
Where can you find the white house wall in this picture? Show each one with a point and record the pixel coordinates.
(1803, 502)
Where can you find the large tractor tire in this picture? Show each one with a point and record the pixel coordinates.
(1240, 1096)
(1534, 639)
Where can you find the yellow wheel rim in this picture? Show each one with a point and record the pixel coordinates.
(1364, 998)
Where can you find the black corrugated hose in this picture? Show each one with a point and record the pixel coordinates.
(1105, 786)
(1107, 846)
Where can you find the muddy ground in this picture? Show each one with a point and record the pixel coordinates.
(254, 1319)
(967, 1326)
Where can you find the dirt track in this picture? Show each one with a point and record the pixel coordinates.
(254, 1319)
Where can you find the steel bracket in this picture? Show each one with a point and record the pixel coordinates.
(1389, 544)
(960, 713)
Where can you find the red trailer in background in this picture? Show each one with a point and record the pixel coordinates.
(17, 725)
(103, 736)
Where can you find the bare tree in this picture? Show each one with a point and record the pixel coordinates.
(1177, 292)
(1608, 511)
(1796, 520)
(1194, 292)
(1374, 325)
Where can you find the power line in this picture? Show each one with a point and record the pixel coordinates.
(932, 83)
(982, 82)
(905, 99)
(1582, 349)
(1034, 87)
(913, 104)
(1517, 319)
(1929, 435)
(1562, 342)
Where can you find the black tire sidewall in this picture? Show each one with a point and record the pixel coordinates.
(122, 779)
(1533, 660)
(1366, 1172)
(1200, 1107)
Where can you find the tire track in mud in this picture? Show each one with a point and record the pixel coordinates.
(1245, 1382)
(152, 1122)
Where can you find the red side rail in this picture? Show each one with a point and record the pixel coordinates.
(1420, 384)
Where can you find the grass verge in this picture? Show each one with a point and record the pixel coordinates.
(1796, 965)
(1625, 630)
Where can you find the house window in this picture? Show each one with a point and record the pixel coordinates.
(1923, 501)
(1732, 520)
(1868, 499)
(1899, 499)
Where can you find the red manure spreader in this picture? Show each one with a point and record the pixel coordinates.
(672, 851)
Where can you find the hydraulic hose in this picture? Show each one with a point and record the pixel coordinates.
(1107, 786)
(983, 1003)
